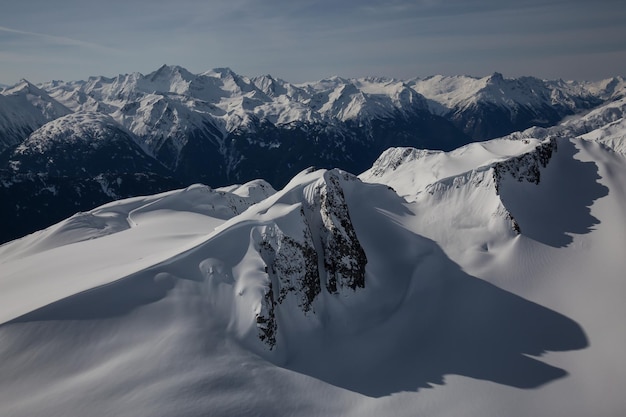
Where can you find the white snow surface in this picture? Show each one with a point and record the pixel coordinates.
(88, 127)
(604, 124)
(24, 108)
(452, 93)
(171, 102)
(149, 306)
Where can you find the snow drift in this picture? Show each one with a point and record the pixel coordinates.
(482, 281)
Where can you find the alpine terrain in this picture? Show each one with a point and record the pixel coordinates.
(484, 279)
(220, 128)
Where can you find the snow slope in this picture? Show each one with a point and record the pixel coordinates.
(23, 109)
(604, 124)
(489, 284)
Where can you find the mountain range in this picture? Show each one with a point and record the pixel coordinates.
(172, 128)
(485, 280)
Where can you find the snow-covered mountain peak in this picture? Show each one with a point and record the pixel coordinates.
(24, 108)
(495, 78)
(256, 189)
(170, 71)
(459, 92)
(476, 181)
(220, 72)
(89, 127)
(27, 92)
(449, 91)
(417, 169)
(24, 87)
(608, 89)
(271, 86)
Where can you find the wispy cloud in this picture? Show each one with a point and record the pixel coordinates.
(58, 40)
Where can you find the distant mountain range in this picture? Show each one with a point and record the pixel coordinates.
(69, 146)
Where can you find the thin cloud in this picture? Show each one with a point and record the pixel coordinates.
(59, 40)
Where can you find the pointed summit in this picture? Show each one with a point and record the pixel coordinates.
(24, 87)
(496, 77)
(169, 71)
(221, 72)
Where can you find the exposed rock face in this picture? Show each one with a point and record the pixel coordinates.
(526, 166)
(344, 258)
(292, 265)
(327, 253)
(266, 318)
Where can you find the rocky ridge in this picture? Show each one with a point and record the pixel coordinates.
(324, 255)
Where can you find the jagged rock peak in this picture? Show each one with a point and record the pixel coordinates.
(169, 71)
(526, 167)
(315, 254)
(344, 257)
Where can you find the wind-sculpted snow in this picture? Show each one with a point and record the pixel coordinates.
(487, 280)
(217, 301)
(561, 202)
(118, 216)
(410, 170)
(45, 182)
(492, 177)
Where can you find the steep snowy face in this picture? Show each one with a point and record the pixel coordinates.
(471, 187)
(23, 109)
(38, 98)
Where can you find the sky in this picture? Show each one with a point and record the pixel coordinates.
(306, 40)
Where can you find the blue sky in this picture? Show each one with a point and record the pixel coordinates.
(305, 40)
